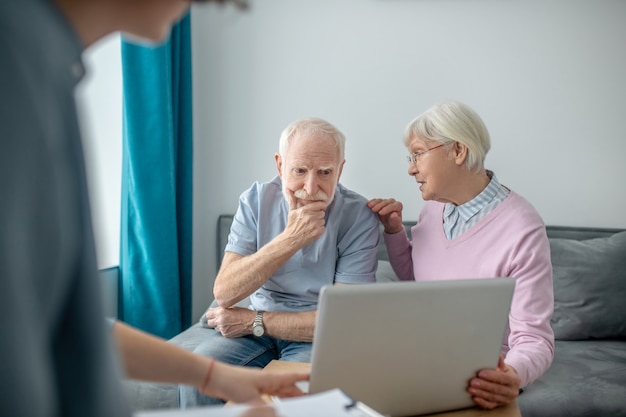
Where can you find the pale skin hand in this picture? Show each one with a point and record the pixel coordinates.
(231, 322)
(307, 223)
(247, 385)
(389, 213)
(150, 358)
(495, 387)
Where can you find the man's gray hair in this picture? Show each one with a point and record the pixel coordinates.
(450, 122)
(309, 127)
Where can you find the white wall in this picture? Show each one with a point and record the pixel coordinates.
(546, 76)
(99, 99)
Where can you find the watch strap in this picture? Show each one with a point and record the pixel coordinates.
(258, 320)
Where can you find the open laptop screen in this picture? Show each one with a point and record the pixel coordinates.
(407, 348)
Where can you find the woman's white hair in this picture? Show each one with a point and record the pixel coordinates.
(450, 122)
(309, 127)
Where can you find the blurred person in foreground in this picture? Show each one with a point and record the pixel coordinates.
(58, 356)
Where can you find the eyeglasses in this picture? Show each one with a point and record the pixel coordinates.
(413, 157)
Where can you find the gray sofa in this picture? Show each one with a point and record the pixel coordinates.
(588, 375)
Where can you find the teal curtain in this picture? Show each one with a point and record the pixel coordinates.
(156, 221)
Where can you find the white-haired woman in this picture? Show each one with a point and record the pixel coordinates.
(472, 226)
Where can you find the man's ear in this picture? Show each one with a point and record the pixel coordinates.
(279, 164)
(460, 153)
(340, 170)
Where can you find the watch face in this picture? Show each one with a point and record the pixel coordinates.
(258, 330)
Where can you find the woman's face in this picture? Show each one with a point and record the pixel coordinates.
(434, 169)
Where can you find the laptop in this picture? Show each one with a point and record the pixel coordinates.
(409, 348)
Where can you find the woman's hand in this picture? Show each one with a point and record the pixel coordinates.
(248, 385)
(389, 213)
(495, 387)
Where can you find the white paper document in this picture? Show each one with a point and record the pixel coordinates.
(332, 403)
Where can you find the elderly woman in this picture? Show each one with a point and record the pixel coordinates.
(471, 227)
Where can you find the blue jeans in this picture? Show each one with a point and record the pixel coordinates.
(243, 351)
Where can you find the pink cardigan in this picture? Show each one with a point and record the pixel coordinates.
(510, 241)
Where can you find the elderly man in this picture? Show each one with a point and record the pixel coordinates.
(289, 237)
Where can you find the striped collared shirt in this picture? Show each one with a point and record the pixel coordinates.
(458, 219)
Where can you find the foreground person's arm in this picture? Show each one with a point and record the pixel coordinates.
(150, 358)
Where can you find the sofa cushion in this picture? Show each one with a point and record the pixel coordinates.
(589, 287)
(586, 379)
(385, 273)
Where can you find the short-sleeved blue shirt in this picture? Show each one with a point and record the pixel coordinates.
(345, 253)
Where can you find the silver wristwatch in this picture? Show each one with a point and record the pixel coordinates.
(257, 327)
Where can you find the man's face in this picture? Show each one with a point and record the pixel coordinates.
(310, 169)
